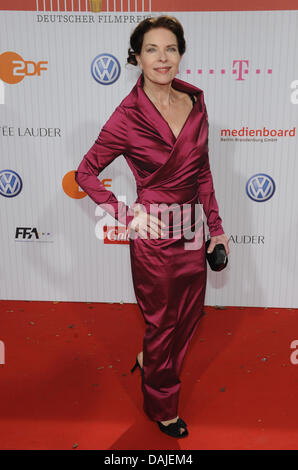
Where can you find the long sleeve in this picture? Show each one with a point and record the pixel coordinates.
(206, 191)
(110, 143)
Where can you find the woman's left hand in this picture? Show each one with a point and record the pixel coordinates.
(219, 239)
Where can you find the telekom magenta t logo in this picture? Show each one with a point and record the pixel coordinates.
(241, 69)
(239, 66)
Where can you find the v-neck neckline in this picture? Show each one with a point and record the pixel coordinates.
(164, 120)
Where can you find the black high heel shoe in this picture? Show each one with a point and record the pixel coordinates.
(137, 364)
(173, 429)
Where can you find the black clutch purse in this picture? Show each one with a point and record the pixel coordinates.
(218, 259)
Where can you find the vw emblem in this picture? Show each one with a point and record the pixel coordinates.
(260, 187)
(10, 183)
(105, 69)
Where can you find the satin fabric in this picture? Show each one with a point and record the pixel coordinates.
(169, 280)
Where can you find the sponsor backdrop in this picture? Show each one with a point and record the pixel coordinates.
(63, 72)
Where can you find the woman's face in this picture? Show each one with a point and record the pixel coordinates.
(159, 58)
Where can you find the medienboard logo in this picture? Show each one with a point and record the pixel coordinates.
(105, 69)
(261, 134)
(10, 183)
(260, 187)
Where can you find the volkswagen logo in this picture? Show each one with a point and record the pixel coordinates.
(105, 69)
(260, 187)
(10, 183)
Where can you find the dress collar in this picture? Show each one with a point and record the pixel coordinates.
(148, 109)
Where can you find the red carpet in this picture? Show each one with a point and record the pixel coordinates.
(66, 381)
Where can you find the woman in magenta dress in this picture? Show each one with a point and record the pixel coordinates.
(161, 128)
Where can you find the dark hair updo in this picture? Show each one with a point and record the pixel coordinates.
(136, 39)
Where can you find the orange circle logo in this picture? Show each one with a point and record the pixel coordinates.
(8, 62)
(71, 187)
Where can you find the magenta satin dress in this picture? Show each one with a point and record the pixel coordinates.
(169, 280)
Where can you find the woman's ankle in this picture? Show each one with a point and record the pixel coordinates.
(140, 358)
(169, 421)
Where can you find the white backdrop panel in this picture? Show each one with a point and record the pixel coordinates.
(68, 262)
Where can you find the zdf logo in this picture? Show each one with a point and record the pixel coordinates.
(13, 68)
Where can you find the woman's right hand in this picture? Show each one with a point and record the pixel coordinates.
(145, 224)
